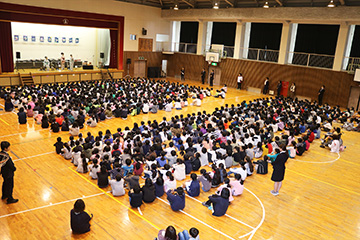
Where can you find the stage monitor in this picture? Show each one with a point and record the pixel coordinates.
(357, 75)
(88, 67)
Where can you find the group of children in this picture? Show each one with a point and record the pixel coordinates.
(163, 153)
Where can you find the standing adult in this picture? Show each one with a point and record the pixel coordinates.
(279, 170)
(266, 85)
(212, 78)
(240, 79)
(278, 88)
(292, 90)
(182, 73)
(203, 74)
(72, 61)
(62, 61)
(7, 171)
(321, 94)
(46, 64)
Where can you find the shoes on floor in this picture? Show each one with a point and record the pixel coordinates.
(274, 193)
(205, 205)
(10, 201)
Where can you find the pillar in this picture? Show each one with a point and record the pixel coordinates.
(340, 46)
(175, 36)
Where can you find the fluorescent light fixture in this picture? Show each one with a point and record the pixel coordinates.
(176, 7)
(216, 6)
(266, 5)
(331, 4)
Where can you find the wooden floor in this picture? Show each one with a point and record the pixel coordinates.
(320, 198)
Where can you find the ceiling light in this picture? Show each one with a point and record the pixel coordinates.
(216, 6)
(266, 5)
(176, 7)
(331, 4)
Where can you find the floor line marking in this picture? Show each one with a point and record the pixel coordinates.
(189, 215)
(331, 161)
(344, 189)
(38, 155)
(263, 215)
(23, 133)
(4, 121)
(225, 214)
(50, 205)
(112, 197)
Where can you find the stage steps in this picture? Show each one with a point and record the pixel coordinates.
(26, 79)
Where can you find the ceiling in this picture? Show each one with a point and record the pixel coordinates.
(207, 4)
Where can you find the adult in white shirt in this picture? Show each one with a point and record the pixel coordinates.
(117, 186)
(239, 80)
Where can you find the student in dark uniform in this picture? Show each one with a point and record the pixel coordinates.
(279, 170)
(182, 73)
(79, 219)
(203, 74)
(7, 171)
(212, 78)
(321, 94)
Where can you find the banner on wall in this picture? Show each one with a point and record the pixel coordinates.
(41, 39)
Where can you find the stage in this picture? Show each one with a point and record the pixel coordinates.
(57, 76)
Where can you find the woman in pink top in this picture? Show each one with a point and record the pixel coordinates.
(226, 185)
(138, 168)
(237, 186)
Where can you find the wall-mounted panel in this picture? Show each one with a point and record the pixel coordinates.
(73, 77)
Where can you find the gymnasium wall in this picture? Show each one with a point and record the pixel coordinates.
(136, 16)
(307, 80)
(153, 60)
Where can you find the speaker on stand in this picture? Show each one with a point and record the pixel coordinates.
(128, 62)
(102, 56)
(18, 56)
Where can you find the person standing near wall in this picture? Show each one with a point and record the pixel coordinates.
(266, 85)
(62, 61)
(240, 79)
(212, 78)
(182, 73)
(72, 61)
(278, 88)
(7, 171)
(203, 74)
(321, 94)
(292, 90)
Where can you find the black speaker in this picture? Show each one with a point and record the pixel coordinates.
(128, 61)
(18, 56)
(154, 72)
(102, 55)
(144, 31)
(88, 67)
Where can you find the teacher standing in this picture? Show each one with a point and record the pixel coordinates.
(7, 171)
(321, 94)
(182, 74)
(212, 78)
(279, 170)
(203, 74)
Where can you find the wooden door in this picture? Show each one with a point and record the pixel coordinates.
(140, 68)
(217, 75)
(354, 98)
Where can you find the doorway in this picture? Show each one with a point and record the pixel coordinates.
(354, 98)
(163, 68)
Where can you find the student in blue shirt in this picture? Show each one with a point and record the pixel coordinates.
(176, 199)
(192, 187)
(218, 204)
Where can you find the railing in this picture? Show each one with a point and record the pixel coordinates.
(350, 64)
(260, 54)
(311, 59)
(176, 47)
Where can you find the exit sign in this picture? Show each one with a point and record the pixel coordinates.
(214, 64)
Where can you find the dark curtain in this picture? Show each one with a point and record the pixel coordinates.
(6, 49)
(113, 49)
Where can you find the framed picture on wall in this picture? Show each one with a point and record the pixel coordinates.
(77, 40)
(63, 40)
(16, 38)
(70, 40)
(42, 38)
(33, 38)
(49, 39)
(56, 40)
(25, 38)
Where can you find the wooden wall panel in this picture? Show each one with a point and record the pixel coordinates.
(153, 59)
(307, 80)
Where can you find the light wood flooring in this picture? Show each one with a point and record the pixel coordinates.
(320, 197)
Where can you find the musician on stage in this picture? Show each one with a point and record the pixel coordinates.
(72, 61)
(46, 64)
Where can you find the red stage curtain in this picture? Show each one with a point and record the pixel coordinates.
(6, 49)
(114, 49)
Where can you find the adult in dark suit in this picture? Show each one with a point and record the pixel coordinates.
(182, 73)
(278, 88)
(266, 86)
(321, 94)
(279, 170)
(7, 170)
(212, 74)
(203, 74)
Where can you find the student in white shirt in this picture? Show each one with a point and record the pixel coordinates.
(117, 186)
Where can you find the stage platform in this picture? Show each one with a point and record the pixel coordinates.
(56, 76)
